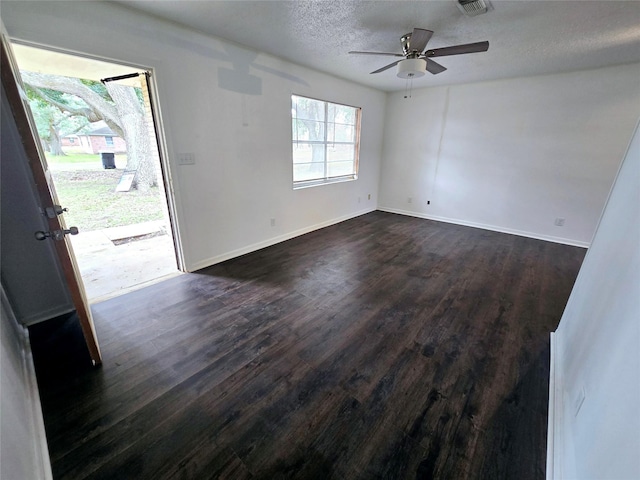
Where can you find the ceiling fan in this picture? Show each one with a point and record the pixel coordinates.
(417, 60)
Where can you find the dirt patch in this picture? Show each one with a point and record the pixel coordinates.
(124, 241)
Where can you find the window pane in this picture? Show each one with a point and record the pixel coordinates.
(340, 152)
(307, 171)
(343, 114)
(308, 162)
(307, 108)
(308, 130)
(342, 133)
(301, 153)
(339, 169)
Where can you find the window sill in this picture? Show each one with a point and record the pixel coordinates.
(328, 181)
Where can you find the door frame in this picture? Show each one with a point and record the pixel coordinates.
(160, 138)
(167, 179)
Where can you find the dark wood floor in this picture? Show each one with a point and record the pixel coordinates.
(382, 347)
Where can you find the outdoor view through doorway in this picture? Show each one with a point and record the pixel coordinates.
(96, 126)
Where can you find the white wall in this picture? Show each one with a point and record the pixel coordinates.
(231, 108)
(511, 155)
(23, 447)
(598, 345)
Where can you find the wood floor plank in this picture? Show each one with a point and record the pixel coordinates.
(383, 347)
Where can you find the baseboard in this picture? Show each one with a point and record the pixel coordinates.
(520, 233)
(554, 423)
(273, 241)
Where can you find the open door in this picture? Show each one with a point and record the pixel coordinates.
(58, 231)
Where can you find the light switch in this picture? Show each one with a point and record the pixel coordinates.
(186, 159)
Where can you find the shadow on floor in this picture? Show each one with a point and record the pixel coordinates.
(59, 350)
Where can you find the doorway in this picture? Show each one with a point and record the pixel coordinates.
(98, 127)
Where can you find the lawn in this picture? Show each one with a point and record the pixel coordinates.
(77, 158)
(92, 200)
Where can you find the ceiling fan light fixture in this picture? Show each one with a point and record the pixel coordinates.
(412, 68)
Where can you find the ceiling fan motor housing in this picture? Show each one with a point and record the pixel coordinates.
(405, 42)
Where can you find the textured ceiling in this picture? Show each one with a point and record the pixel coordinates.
(526, 37)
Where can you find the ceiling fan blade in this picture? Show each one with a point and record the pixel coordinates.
(377, 53)
(419, 39)
(458, 49)
(434, 67)
(386, 67)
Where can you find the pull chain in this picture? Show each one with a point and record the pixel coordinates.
(408, 88)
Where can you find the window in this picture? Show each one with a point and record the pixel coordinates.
(326, 138)
(109, 141)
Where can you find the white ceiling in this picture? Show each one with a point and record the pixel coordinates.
(526, 37)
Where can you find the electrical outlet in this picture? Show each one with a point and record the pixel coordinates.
(559, 222)
(428, 202)
(369, 197)
(186, 159)
(409, 200)
(273, 222)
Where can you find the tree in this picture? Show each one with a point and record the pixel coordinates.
(117, 105)
(312, 121)
(52, 122)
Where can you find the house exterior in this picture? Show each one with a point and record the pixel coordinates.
(100, 138)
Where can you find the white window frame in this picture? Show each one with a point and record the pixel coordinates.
(327, 142)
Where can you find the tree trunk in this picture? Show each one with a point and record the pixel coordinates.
(136, 134)
(317, 150)
(55, 146)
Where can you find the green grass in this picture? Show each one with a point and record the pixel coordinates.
(73, 158)
(94, 204)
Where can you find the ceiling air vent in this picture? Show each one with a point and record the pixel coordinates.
(472, 8)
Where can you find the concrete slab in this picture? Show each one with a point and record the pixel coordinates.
(109, 270)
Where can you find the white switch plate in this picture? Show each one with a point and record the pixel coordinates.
(186, 159)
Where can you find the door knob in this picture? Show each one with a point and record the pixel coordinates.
(56, 234)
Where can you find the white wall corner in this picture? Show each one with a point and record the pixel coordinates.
(40, 460)
(493, 228)
(43, 461)
(554, 423)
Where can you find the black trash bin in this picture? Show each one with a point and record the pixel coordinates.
(108, 159)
